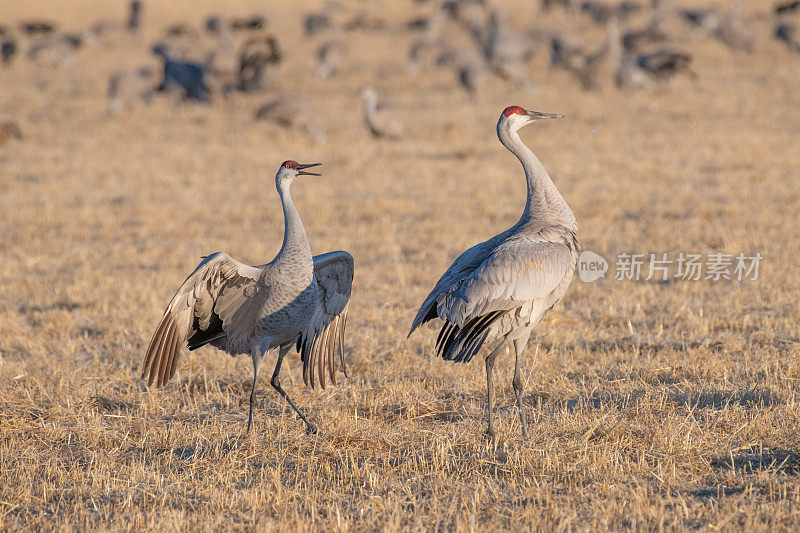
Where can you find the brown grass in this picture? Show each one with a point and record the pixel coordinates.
(651, 405)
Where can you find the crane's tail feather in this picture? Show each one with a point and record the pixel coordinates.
(460, 343)
(318, 353)
(163, 352)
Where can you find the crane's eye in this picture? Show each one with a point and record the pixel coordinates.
(290, 164)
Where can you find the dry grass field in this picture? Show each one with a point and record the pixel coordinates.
(652, 404)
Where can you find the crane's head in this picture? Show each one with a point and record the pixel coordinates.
(291, 169)
(514, 117)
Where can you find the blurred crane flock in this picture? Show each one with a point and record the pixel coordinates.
(137, 137)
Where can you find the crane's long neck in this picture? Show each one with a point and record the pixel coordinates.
(544, 205)
(296, 249)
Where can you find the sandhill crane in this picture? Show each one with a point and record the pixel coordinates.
(294, 113)
(37, 27)
(500, 289)
(600, 63)
(253, 22)
(131, 25)
(638, 70)
(331, 55)
(134, 15)
(733, 31)
(8, 49)
(294, 300)
(128, 85)
(787, 32)
(380, 120)
(9, 130)
(507, 51)
(786, 7)
(191, 77)
(56, 50)
(256, 53)
(314, 23)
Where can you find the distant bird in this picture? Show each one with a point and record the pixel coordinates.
(472, 75)
(295, 300)
(131, 24)
(253, 22)
(600, 64)
(571, 5)
(380, 120)
(314, 23)
(788, 33)
(789, 6)
(37, 27)
(499, 290)
(507, 52)
(702, 19)
(55, 50)
(256, 54)
(135, 15)
(732, 31)
(181, 29)
(637, 39)
(292, 113)
(642, 69)
(601, 12)
(128, 85)
(8, 49)
(191, 77)
(331, 55)
(9, 130)
(664, 63)
(423, 53)
(566, 50)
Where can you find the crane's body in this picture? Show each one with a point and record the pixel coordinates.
(294, 300)
(497, 291)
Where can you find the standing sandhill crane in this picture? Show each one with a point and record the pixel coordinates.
(380, 120)
(500, 289)
(294, 300)
(331, 54)
(256, 53)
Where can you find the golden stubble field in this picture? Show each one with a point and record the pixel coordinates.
(651, 404)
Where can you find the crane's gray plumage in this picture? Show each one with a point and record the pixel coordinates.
(499, 290)
(295, 300)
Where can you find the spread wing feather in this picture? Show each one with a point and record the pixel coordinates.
(221, 298)
(317, 345)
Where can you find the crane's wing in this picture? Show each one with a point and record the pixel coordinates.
(221, 298)
(517, 271)
(464, 265)
(317, 345)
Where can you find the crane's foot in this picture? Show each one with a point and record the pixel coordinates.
(311, 428)
(489, 434)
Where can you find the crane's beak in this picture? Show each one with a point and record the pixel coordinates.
(302, 172)
(536, 115)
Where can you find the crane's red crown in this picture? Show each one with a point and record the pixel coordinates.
(289, 164)
(514, 110)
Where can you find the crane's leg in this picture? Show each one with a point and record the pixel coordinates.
(519, 347)
(490, 386)
(257, 356)
(276, 383)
